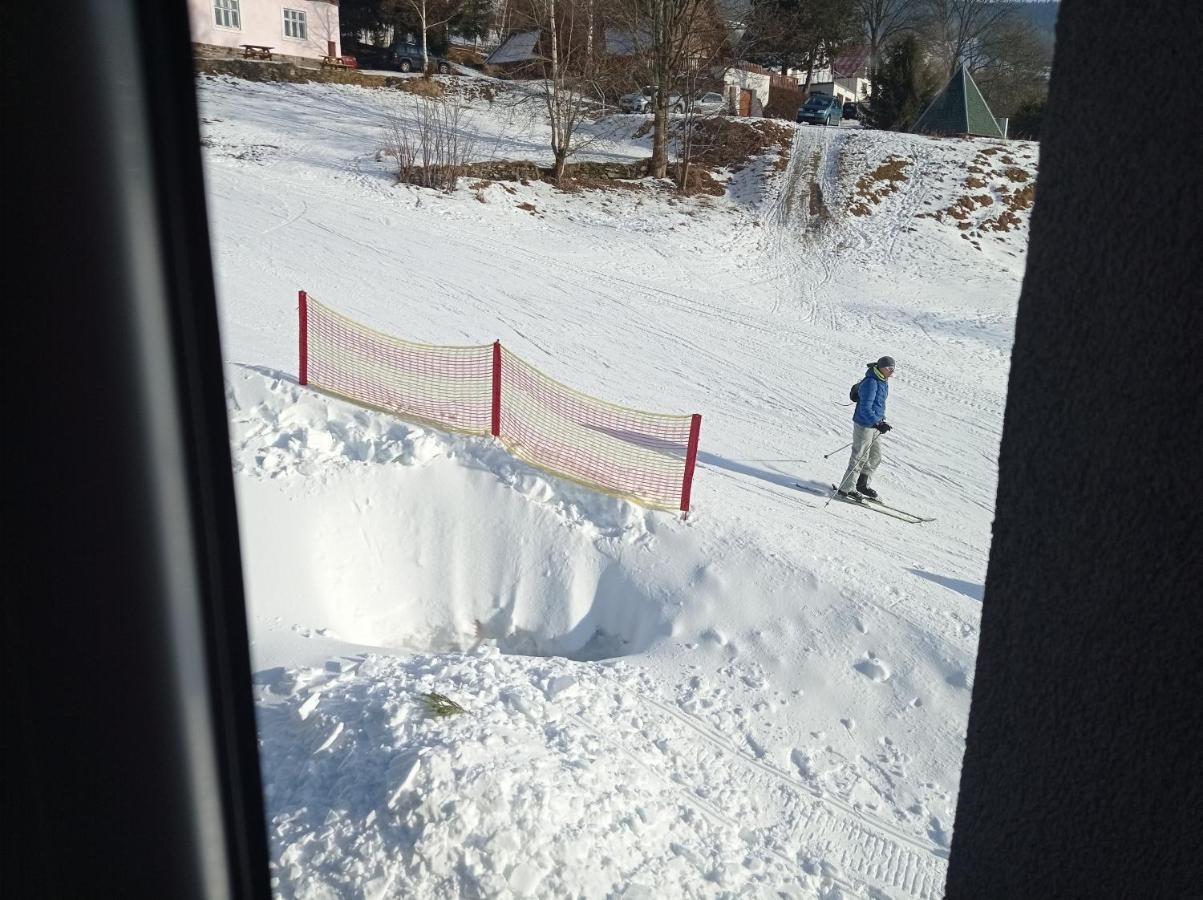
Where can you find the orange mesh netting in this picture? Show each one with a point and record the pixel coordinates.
(450, 387)
(647, 457)
(623, 451)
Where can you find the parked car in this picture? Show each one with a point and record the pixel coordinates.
(709, 104)
(401, 56)
(821, 109)
(851, 110)
(642, 101)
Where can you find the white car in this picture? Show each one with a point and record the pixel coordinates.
(710, 104)
(642, 101)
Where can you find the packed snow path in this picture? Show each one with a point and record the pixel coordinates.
(789, 709)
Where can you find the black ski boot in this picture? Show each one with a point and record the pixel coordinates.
(862, 485)
(850, 495)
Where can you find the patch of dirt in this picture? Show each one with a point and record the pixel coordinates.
(1006, 221)
(1014, 173)
(587, 183)
(726, 143)
(699, 181)
(817, 208)
(529, 207)
(422, 87)
(974, 182)
(1024, 197)
(875, 186)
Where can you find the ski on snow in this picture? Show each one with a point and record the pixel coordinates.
(876, 506)
(883, 508)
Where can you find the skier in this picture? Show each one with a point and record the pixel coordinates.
(868, 425)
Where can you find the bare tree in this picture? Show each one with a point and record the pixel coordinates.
(885, 20)
(957, 28)
(432, 145)
(1011, 66)
(701, 73)
(668, 36)
(570, 83)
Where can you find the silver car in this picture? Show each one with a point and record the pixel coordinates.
(642, 101)
(710, 104)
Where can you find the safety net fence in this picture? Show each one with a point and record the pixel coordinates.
(487, 390)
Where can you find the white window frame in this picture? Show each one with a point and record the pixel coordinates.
(230, 11)
(299, 19)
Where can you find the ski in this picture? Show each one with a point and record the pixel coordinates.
(885, 509)
(818, 492)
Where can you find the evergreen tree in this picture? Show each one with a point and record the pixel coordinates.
(475, 19)
(902, 88)
(1027, 120)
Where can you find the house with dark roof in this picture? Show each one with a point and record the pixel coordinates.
(520, 53)
(846, 76)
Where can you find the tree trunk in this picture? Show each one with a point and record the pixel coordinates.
(555, 47)
(561, 163)
(589, 41)
(425, 55)
(659, 163)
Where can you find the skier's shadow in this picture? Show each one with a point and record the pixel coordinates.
(970, 589)
(771, 475)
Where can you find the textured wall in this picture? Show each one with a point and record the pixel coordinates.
(1082, 774)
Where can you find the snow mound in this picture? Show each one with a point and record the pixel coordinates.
(371, 796)
(279, 428)
(555, 568)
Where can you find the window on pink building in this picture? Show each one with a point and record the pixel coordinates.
(225, 14)
(294, 24)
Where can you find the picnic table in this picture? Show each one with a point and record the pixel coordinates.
(256, 51)
(339, 62)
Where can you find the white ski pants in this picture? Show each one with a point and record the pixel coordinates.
(866, 454)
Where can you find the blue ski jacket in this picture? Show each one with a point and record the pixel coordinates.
(871, 407)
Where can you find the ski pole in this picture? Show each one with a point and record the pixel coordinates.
(837, 450)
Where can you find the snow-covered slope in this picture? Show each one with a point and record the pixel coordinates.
(768, 697)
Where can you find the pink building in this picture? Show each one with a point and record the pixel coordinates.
(307, 28)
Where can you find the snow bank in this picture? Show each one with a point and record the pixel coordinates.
(556, 782)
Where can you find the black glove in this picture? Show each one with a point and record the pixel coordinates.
(883, 426)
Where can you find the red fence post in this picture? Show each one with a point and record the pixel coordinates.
(303, 313)
(691, 458)
(496, 388)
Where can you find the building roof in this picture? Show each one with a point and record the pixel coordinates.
(517, 48)
(852, 61)
(959, 109)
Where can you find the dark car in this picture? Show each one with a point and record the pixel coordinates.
(821, 109)
(401, 56)
(851, 110)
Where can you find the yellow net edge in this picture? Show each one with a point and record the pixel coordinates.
(514, 450)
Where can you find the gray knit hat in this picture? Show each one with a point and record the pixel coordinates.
(884, 362)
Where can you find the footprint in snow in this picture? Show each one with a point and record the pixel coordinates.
(872, 668)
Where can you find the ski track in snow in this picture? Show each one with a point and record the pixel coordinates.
(806, 666)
